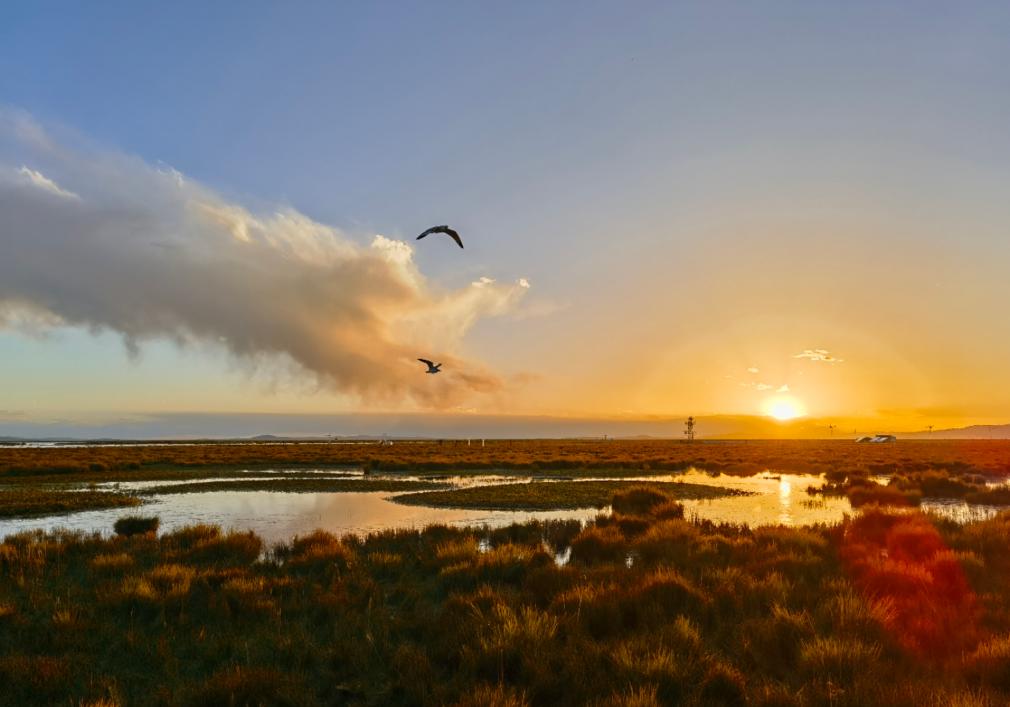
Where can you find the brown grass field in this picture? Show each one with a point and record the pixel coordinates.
(51, 479)
(987, 457)
(653, 609)
(887, 607)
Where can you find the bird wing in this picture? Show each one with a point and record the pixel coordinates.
(443, 229)
(433, 229)
(426, 361)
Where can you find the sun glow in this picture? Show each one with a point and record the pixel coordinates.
(784, 408)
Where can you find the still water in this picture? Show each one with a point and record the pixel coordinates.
(278, 516)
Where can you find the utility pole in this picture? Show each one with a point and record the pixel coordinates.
(689, 429)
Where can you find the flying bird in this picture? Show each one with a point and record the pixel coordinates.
(432, 367)
(443, 229)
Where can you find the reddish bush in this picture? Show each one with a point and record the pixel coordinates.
(901, 565)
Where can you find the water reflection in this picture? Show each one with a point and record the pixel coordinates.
(960, 511)
(277, 516)
(777, 499)
(785, 501)
(560, 558)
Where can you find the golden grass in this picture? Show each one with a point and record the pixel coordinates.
(556, 495)
(24, 502)
(888, 607)
(120, 461)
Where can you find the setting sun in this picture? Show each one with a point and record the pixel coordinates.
(609, 348)
(784, 408)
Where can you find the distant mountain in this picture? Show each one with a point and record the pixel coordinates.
(971, 432)
(205, 427)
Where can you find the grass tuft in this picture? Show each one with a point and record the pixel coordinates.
(128, 526)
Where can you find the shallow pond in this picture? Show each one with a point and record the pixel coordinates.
(277, 516)
(778, 499)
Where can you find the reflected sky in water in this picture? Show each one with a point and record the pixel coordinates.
(278, 516)
(778, 499)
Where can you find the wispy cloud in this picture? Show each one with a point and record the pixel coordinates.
(107, 242)
(43, 182)
(757, 386)
(822, 355)
(783, 388)
(753, 369)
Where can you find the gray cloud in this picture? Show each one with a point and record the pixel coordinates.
(107, 242)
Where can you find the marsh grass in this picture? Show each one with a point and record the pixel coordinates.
(917, 469)
(136, 525)
(296, 485)
(706, 614)
(909, 484)
(35, 501)
(559, 495)
(569, 457)
(29, 498)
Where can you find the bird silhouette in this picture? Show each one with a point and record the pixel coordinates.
(432, 367)
(443, 229)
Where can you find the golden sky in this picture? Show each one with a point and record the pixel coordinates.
(668, 212)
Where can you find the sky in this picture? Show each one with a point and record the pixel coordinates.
(716, 209)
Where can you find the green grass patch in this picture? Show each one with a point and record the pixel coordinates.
(554, 495)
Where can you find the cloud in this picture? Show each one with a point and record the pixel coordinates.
(753, 369)
(818, 355)
(764, 386)
(43, 182)
(757, 386)
(107, 242)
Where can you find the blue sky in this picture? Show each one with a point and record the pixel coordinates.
(692, 189)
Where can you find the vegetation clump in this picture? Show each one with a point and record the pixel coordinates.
(296, 485)
(560, 495)
(908, 484)
(36, 501)
(966, 458)
(891, 607)
(136, 525)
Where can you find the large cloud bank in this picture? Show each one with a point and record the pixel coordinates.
(104, 241)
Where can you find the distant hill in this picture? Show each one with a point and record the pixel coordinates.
(971, 432)
(205, 427)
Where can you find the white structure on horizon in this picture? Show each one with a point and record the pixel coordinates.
(877, 439)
